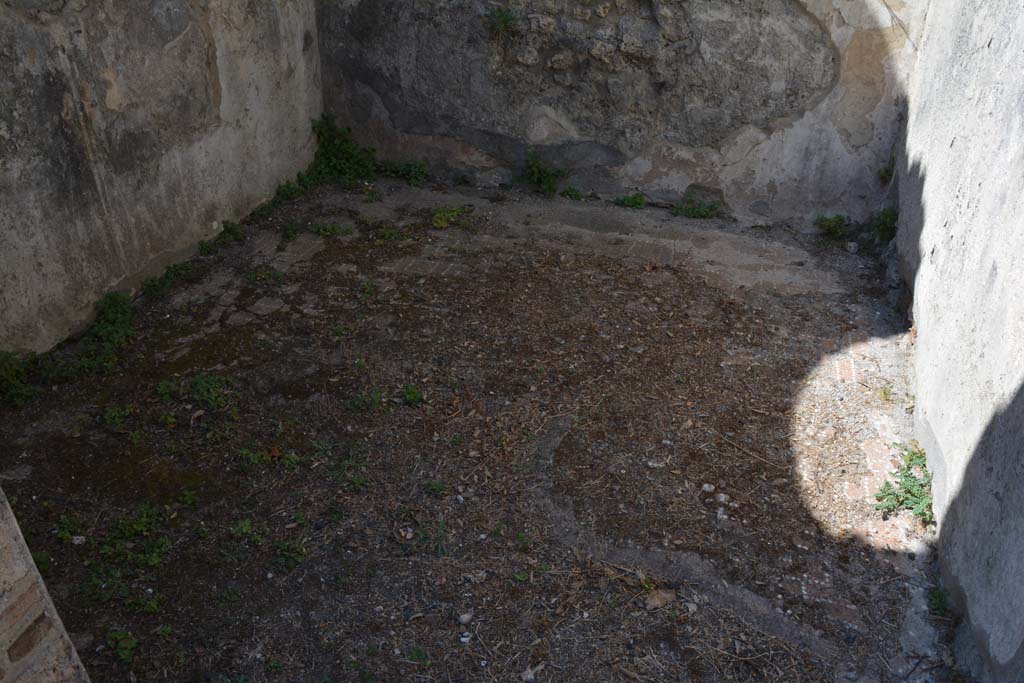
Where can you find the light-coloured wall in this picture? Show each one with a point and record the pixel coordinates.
(33, 643)
(787, 108)
(128, 130)
(962, 243)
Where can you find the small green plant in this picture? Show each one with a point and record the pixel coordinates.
(210, 390)
(411, 396)
(414, 173)
(164, 631)
(254, 458)
(364, 403)
(167, 389)
(523, 541)
(245, 531)
(885, 393)
(327, 229)
(123, 645)
(67, 527)
(289, 554)
(885, 225)
(886, 173)
(288, 191)
(265, 275)
(938, 602)
(43, 560)
(832, 227)
(229, 596)
(691, 207)
(443, 216)
(147, 605)
(230, 233)
(521, 577)
(385, 235)
(501, 23)
(291, 231)
(188, 498)
(338, 158)
(372, 195)
(15, 389)
(156, 287)
(572, 193)
(633, 201)
(111, 331)
(912, 489)
(436, 487)
(114, 418)
(541, 177)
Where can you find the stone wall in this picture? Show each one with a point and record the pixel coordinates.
(784, 108)
(33, 644)
(128, 130)
(962, 243)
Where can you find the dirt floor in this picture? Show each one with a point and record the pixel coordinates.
(550, 441)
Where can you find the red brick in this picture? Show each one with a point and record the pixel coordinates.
(31, 637)
(20, 606)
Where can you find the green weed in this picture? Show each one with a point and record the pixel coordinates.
(254, 458)
(692, 207)
(633, 201)
(414, 173)
(443, 216)
(156, 287)
(832, 227)
(43, 560)
(15, 389)
(327, 229)
(571, 193)
(885, 225)
(67, 527)
(112, 330)
(938, 602)
(912, 489)
(411, 396)
(364, 403)
(123, 645)
(229, 234)
(147, 605)
(245, 531)
(210, 390)
(114, 418)
(501, 23)
(289, 554)
(886, 173)
(541, 177)
(338, 158)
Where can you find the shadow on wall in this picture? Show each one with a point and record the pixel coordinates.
(982, 544)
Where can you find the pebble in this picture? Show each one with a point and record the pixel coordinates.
(465, 637)
(465, 618)
(721, 498)
(78, 540)
(708, 488)
(852, 247)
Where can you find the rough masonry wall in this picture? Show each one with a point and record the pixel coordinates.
(33, 643)
(962, 243)
(128, 130)
(785, 108)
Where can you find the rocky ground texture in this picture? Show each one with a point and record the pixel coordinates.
(461, 435)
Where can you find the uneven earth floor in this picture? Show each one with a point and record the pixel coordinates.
(551, 441)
